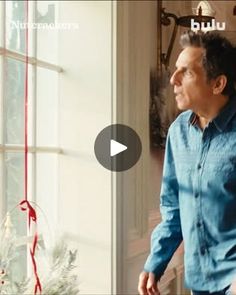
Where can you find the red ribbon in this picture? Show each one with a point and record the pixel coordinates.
(25, 205)
(31, 214)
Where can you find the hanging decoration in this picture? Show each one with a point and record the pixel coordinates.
(158, 125)
(25, 205)
(234, 10)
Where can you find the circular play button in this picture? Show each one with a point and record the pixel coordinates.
(117, 147)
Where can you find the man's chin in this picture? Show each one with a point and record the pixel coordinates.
(180, 102)
(181, 107)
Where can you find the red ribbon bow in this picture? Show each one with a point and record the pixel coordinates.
(32, 214)
(25, 205)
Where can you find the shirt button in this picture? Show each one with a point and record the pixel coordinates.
(199, 166)
(203, 250)
(197, 195)
(199, 224)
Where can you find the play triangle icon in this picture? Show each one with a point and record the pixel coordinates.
(116, 147)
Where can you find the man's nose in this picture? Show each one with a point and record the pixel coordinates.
(175, 79)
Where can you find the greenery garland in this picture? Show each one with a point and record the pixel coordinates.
(57, 279)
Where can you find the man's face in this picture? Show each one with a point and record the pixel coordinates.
(191, 87)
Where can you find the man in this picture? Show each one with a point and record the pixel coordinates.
(198, 193)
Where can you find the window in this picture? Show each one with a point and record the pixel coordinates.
(42, 109)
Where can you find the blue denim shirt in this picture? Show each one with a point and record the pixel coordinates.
(198, 201)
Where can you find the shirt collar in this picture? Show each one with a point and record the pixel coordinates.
(227, 113)
(193, 119)
(223, 118)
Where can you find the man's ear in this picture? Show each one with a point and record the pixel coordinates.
(219, 84)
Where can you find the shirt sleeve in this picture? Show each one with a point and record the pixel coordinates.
(167, 236)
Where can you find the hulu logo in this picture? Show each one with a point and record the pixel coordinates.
(209, 26)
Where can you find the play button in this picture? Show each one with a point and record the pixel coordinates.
(117, 147)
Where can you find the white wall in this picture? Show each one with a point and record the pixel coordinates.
(85, 212)
(137, 192)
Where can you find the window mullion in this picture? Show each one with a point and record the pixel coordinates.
(31, 149)
(31, 60)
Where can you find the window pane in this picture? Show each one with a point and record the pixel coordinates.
(1, 24)
(2, 200)
(46, 191)
(14, 184)
(15, 15)
(47, 108)
(16, 24)
(47, 35)
(12, 165)
(14, 101)
(1, 98)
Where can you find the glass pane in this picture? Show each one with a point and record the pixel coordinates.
(47, 34)
(46, 193)
(1, 98)
(16, 25)
(14, 193)
(14, 101)
(1, 24)
(14, 183)
(2, 202)
(47, 108)
(15, 15)
(31, 104)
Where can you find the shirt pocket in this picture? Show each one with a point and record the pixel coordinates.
(222, 163)
(185, 161)
(222, 252)
(231, 253)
